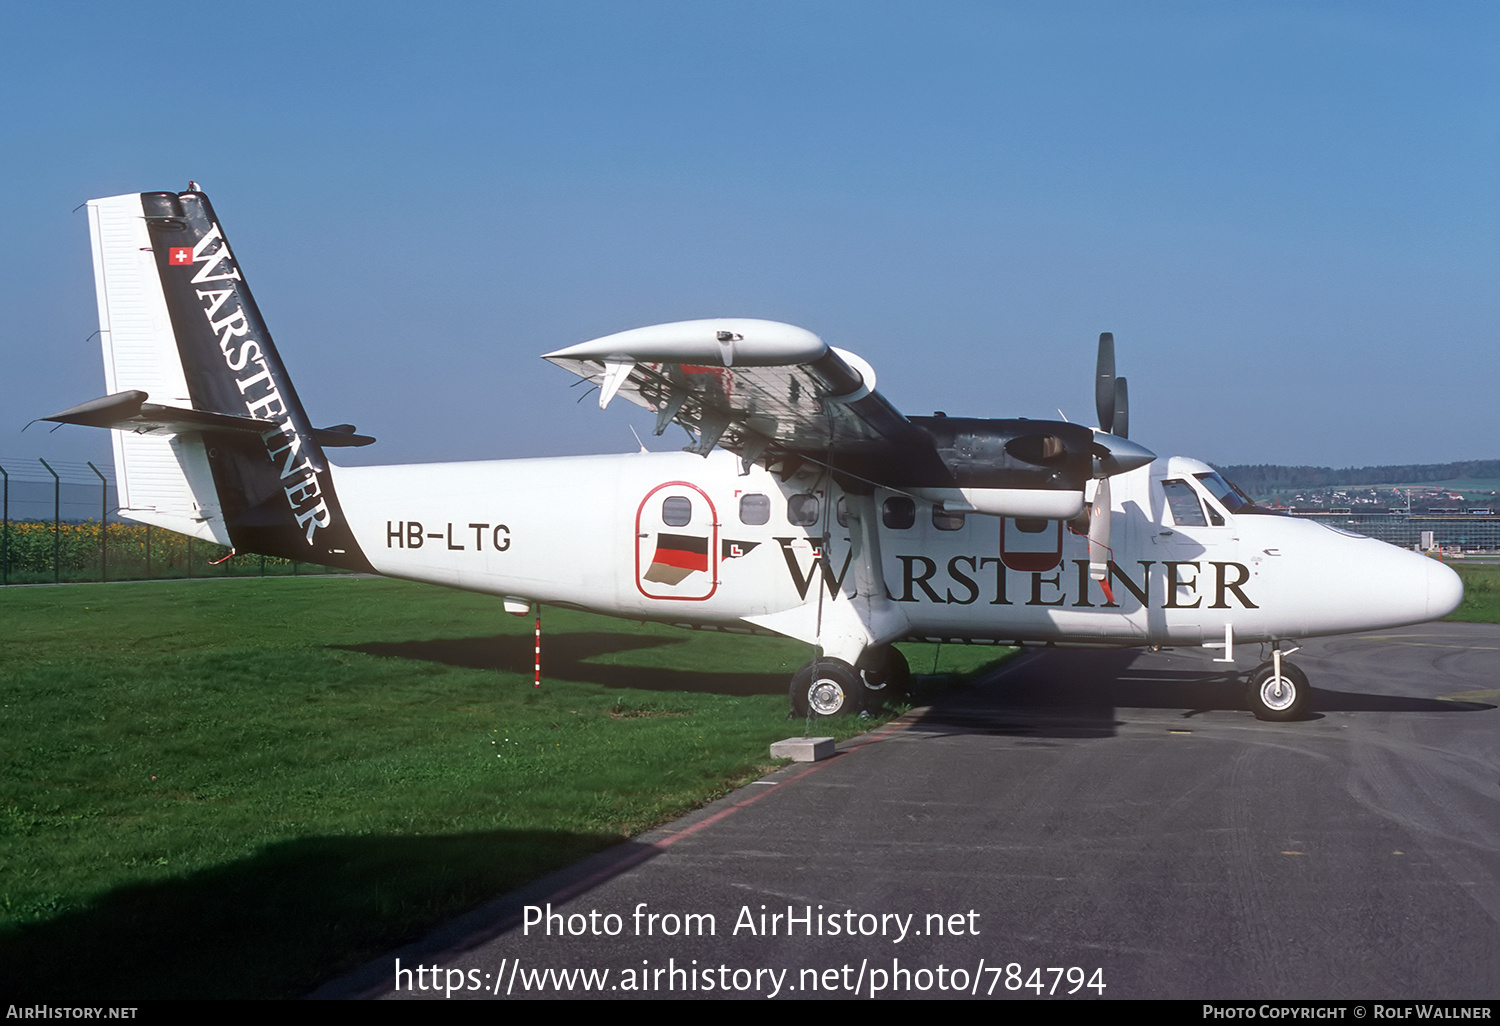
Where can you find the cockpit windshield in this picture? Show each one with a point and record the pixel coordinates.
(1229, 497)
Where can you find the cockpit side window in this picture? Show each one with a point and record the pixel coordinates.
(1187, 511)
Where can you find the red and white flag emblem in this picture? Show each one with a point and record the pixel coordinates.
(180, 255)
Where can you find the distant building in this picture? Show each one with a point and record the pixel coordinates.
(1474, 530)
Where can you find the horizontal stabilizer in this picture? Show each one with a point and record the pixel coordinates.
(129, 411)
(340, 436)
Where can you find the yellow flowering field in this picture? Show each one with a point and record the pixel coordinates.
(32, 551)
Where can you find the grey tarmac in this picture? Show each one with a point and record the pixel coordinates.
(1111, 811)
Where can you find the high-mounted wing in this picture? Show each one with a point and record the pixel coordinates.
(778, 395)
(758, 388)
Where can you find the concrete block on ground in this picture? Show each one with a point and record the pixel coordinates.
(802, 749)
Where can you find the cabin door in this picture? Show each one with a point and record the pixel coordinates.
(677, 543)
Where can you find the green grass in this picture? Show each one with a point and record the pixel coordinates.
(242, 788)
(1481, 592)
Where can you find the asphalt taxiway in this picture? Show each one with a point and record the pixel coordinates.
(1118, 817)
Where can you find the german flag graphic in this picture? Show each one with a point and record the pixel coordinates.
(677, 555)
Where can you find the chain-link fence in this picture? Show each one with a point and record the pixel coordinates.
(59, 522)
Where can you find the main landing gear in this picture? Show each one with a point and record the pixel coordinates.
(889, 683)
(1278, 690)
(831, 687)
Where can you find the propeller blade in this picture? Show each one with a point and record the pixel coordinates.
(1121, 426)
(1099, 515)
(1104, 382)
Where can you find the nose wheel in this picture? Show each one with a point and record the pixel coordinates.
(1278, 690)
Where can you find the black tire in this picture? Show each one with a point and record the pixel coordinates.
(1282, 700)
(889, 684)
(826, 687)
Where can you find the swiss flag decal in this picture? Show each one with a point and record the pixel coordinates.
(180, 255)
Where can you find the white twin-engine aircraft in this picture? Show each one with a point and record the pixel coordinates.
(806, 507)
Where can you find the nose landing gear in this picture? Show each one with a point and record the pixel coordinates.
(1278, 690)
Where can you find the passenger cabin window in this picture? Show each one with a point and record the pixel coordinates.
(841, 512)
(945, 521)
(898, 513)
(755, 509)
(1030, 525)
(676, 511)
(1187, 511)
(802, 509)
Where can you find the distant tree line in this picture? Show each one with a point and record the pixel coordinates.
(1264, 478)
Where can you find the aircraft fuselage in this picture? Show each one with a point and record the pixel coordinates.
(732, 550)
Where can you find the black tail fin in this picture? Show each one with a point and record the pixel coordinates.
(274, 489)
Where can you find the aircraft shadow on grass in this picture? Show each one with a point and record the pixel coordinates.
(276, 924)
(570, 657)
(1066, 693)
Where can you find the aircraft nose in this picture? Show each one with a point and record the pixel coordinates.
(1445, 590)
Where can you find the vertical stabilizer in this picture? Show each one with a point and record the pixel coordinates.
(178, 322)
(163, 477)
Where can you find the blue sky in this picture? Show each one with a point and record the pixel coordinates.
(1287, 213)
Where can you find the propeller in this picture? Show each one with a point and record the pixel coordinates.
(1099, 536)
(1111, 397)
(1112, 402)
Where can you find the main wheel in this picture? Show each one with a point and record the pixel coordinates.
(889, 683)
(826, 687)
(1278, 698)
